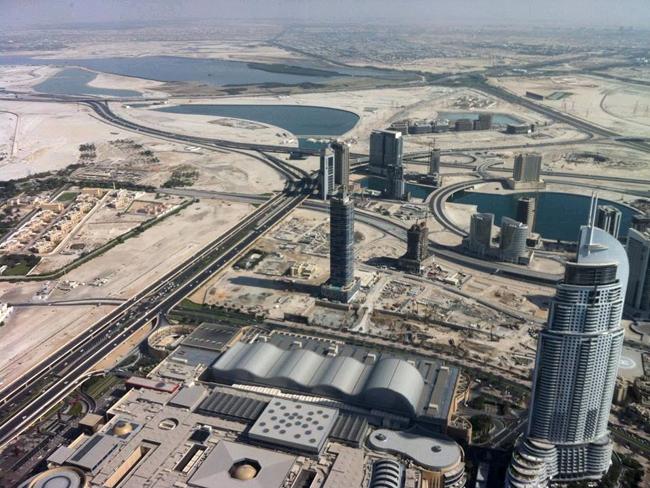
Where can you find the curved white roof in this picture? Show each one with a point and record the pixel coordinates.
(396, 381)
(390, 384)
(597, 246)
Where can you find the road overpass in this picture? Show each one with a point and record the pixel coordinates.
(25, 400)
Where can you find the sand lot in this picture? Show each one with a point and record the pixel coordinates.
(203, 125)
(622, 107)
(126, 268)
(148, 88)
(48, 136)
(231, 288)
(242, 50)
(141, 260)
(620, 161)
(22, 78)
(377, 108)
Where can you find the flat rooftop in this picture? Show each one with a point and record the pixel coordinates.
(296, 425)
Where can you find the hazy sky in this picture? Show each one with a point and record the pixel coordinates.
(547, 12)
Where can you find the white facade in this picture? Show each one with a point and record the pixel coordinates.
(327, 169)
(577, 361)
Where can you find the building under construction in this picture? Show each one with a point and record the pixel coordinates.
(417, 248)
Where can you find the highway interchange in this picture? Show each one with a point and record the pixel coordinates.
(25, 400)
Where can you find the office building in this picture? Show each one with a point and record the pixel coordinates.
(608, 218)
(484, 122)
(417, 248)
(638, 286)
(341, 285)
(641, 222)
(526, 211)
(386, 149)
(396, 186)
(327, 172)
(480, 233)
(528, 167)
(577, 360)
(434, 162)
(341, 163)
(464, 125)
(420, 127)
(512, 241)
(527, 171)
(518, 129)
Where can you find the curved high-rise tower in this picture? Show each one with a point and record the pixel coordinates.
(578, 355)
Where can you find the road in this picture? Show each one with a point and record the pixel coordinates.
(440, 196)
(557, 116)
(387, 226)
(102, 109)
(449, 253)
(23, 401)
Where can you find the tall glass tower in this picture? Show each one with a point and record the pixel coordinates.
(341, 285)
(578, 355)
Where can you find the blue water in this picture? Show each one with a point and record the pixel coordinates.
(559, 215)
(174, 68)
(74, 81)
(498, 119)
(298, 119)
(201, 70)
(379, 184)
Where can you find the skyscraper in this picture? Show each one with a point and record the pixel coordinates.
(327, 172)
(480, 233)
(396, 187)
(434, 162)
(341, 163)
(341, 285)
(417, 247)
(638, 287)
(512, 241)
(528, 167)
(641, 222)
(386, 148)
(484, 122)
(527, 171)
(575, 372)
(526, 211)
(608, 218)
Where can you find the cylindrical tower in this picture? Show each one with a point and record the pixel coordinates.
(512, 244)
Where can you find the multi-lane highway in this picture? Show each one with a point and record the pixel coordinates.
(26, 399)
(389, 227)
(440, 196)
(102, 109)
(36, 392)
(579, 124)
